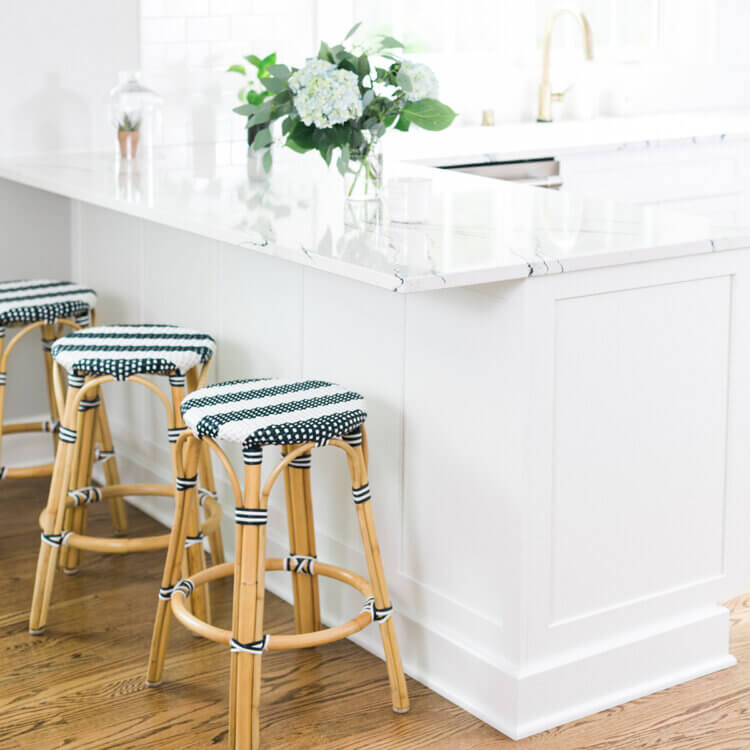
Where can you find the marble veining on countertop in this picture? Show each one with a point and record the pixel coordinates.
(475, 231)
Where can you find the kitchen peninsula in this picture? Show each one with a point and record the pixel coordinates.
(560, 527)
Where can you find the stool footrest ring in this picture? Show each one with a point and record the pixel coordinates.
(124, 546)
(276, 642)
(26, 472)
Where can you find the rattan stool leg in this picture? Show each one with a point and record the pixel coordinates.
(248, 607)
(74, 517)
(215, 540)
(207, 482)
(195, 559)
(172, 566)
(49, 334)
(117, 505)
(302, 542)
(399, 694)
(81, 477)
(53, 524)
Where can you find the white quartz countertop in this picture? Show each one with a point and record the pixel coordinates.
(475, 230)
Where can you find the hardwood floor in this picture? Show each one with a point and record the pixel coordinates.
(80, 686)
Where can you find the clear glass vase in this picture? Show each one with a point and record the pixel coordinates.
(364, 179)
(134, 110)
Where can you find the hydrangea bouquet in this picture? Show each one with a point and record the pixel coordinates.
(340, 104)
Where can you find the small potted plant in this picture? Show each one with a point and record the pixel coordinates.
(128, 134)
(252, 92)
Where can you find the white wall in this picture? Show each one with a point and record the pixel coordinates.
(59, 61)
(650, 55)
(35, 242)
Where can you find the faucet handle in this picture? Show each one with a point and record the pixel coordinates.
(559, 96)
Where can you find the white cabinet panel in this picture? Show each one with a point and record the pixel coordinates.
(656, 356)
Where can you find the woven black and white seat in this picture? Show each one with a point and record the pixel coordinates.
(125, 350)
(31, 301)
(46, 306)
(274, 412)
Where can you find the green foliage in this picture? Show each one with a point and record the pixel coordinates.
(383, 106)
(251, 93)
(128, 125)
(429, 114)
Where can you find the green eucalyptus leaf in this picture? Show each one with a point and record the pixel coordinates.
(279, 71)
(254, 60)
(262, 114)
(267, 160)
(429, 114)
(237, 69)
(388, 42)
(324, 52)
(274, 85)
(363, 66)
(352, 30)
(286, 125)
(367, 98)
(246, 110)
(402, 123)
(280, 108)
(262, 139)
(256, 97)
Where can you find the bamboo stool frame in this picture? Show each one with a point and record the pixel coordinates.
(246, 637)
(63, 521)
(49, 333)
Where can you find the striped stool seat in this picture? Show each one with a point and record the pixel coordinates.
(125, 350)
(274, 412)
(31, 301)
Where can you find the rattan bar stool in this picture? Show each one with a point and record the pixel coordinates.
(298, 416)
(50, 307)
(91, 358)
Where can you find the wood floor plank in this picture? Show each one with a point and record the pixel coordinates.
(81, 685)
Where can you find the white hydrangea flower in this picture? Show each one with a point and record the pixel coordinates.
(324, 95)
(424, 83)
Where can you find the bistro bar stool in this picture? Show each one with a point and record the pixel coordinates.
(92, 357)
(49, 306)
(298, 416)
